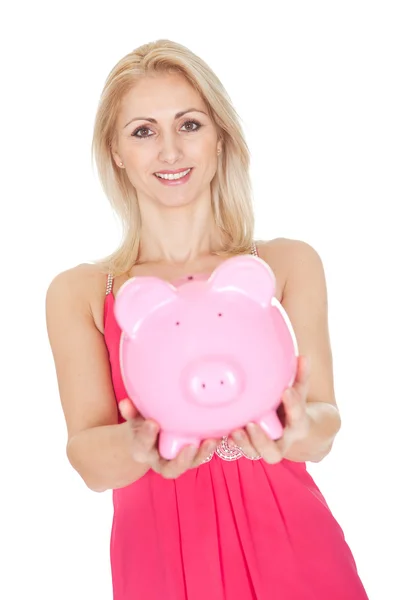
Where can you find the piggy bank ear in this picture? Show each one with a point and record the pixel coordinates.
(248, 275)
(139, 297)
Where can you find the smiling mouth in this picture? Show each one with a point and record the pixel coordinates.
(173, 176)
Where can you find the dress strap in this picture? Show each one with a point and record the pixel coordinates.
(110, 280)
(254, 249)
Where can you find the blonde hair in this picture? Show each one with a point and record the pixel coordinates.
(230, 188)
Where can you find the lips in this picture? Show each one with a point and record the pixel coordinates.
(173, 176)
(172, 172)
(171, 180)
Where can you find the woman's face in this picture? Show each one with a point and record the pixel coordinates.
(164, 126)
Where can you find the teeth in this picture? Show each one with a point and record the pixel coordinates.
(173, 176)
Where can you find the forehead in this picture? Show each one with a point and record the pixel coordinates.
(160, 96)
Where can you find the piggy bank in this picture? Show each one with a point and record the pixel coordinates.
(207, 355)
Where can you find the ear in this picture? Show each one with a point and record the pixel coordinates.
(139, 297)
(117, 159)
(248, 275)
(115, 151)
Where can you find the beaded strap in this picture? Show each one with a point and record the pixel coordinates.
(110, 279)
(254, 249)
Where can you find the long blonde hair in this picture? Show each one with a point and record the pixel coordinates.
(230, 188)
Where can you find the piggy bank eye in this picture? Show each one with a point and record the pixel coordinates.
(220, 314)
(177, 323)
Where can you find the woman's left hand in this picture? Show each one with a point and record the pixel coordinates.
(254, 441)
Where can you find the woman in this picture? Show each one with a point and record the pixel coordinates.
(238, 518)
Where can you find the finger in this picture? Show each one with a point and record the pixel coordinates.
(242, 440)
(285, 442)
(296, 412)
(266, 447)
(127, 409)
(204, 452)
(182, 462)
(294, 406)
(144, 441)
(303, 366)
(296, 415)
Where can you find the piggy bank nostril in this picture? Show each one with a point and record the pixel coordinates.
(203, 385)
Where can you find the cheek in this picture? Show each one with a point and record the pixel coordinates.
(139, 162)
(202, 147)
(207, 158)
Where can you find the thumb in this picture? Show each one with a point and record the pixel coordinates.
(127, 409)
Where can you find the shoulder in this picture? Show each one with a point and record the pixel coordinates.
(288, 249)
(81, 287)
(77, 280)
(292, 258)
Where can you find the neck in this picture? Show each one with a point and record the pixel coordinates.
(178, 235)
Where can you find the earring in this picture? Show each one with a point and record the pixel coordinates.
(218, 151)
(121, 164)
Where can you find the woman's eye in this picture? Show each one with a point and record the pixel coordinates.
(135, 133)
(192, 123)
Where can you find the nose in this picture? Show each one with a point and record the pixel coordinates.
(170, 151)
(213, 381)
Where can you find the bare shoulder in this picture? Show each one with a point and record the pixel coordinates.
(82, 288)
(289, 258)
(287, 250)
(77, 280)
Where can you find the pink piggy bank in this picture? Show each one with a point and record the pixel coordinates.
(206, 355)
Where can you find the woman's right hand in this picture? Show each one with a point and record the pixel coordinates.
(145, 445)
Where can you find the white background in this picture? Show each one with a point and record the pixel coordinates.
(317, 86)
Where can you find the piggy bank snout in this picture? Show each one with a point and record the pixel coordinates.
(213, 381)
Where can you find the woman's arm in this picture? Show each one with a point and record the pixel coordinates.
(305, 300)
(311, 415)
(98, 448)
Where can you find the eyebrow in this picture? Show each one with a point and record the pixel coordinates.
(177, 116)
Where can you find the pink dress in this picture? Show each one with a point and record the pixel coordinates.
(233, 529)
